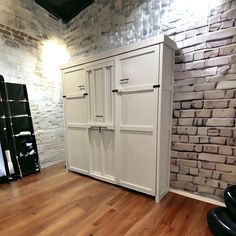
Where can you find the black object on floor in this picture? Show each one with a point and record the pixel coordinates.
(230, 199)
(221, 222)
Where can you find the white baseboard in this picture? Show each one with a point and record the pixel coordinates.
(197, 197)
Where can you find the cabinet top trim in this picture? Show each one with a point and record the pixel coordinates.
(121, 50)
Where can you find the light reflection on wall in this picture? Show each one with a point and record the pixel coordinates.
(54, 54)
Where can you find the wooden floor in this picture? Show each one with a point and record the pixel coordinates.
(59, 203)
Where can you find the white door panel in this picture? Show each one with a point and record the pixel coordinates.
(138, 68)
(77, 149)
(76, 110)
(137, 108)
(74, 82)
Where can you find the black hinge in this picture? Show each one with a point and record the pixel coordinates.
(156, 86)
(85, 94)
(115, 90)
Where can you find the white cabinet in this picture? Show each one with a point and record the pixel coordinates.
(76, 119)
(117, 108)
(137, 116)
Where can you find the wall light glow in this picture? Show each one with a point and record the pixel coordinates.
(54, 54)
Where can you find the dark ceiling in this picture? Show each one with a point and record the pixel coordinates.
(64, 9)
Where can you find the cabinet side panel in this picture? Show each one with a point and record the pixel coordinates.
(164, 120)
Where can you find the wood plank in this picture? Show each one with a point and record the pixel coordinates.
(56, 202)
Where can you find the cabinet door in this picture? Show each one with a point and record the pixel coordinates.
(138, 68)
(100, 77)
(102, 161)
(137, 120)
(76, 120)
(74, 81)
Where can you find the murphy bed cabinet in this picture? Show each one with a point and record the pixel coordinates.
(118, 107)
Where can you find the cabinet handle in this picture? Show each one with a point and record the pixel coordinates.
(115, 90)
(81, 87)
(99, 116)
(85, 94)
(156, 86)
(124, 80)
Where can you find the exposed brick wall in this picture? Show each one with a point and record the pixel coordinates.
(24, 26)
(203, 154)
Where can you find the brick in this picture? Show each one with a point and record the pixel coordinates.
(195, 73)
(197, 104)
(193, 139)
(229, 49)
(174, 168)
(229, 94)
(187, 113)
(222, 60)
(188, 96)
(213, 183)
(218, 140)
(189, 163)
(225, 132)
(205, 173)
(186, 105)
(212, 157)
(219, 192)
(220, 122)
(184, 170)
(175, 138)
(232, 103)
(198, 148)
(193, 171)
(226, 168)
(210, 148)
(222, 70)
(184, 138)
(202, 130)
(185, 122)
(187, 178)
(205, 86)
(222, 34)
(225, 150)
(183, 185)
(231, 178)
(208, 165)
(216, 175)
(214, 94)
(203, 140)
(224, 113)
(213, 132)
(226, 85)
(230, 14)
(199, 180)
(205, 189)
(176, 105)
(182, 147)
(187, 130)
(231, 160)
(203, 113)
(176, 114)
(173, 176)
(216, 104)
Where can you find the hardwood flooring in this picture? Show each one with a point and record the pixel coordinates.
(59, 203)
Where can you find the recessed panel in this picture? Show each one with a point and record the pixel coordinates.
(77, 147)
(137, 159)
(138, 108)
(138, 69)
(74, 82)
(76, 110)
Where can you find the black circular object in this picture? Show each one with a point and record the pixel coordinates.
(221, 222)
(230, 199)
